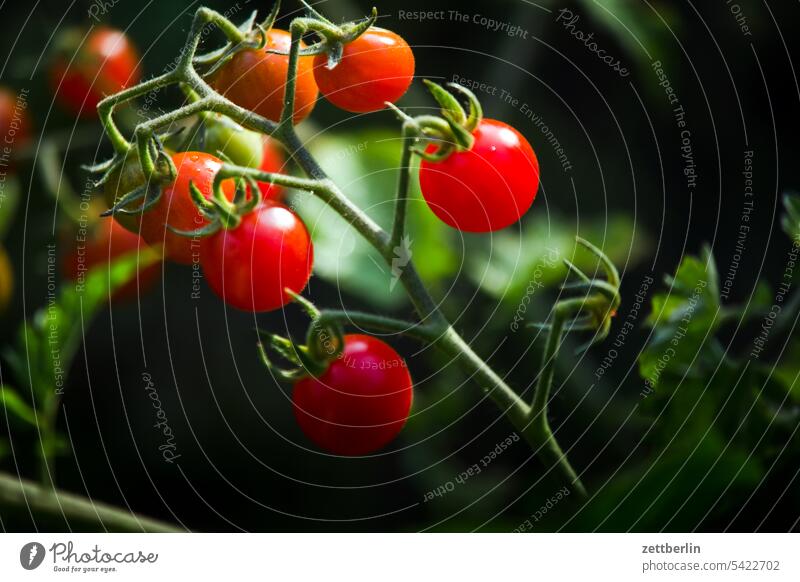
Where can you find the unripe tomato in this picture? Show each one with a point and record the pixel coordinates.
(486, 188)
(81, 75)
(246, 148)
(14, 120)
(376, 67)
(176, 208)
(256, 79)
(360, 403)
(6, 280)
(107, 241)
(250, 266)
(242, 146)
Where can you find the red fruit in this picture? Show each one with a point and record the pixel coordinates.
(250, 266)
(14, 120)
(84, 71)
(107, 241)
(360, 403)
(176, 208)
(486, 188)
(376, 67)
(256, 79)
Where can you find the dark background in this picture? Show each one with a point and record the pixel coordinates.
(245, 465)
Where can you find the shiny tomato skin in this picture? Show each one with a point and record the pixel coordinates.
(107, 241)
(360, 403)
(176, 208)
(486, 188)
(376, 67)
(250, 266)
(14, 121)
(273, 161)
(81, 75)
(256, 79)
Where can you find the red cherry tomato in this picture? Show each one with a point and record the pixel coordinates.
(256, 79)
(107, 241)
(486, 188)
(250, 266)
(376, 67)
(360, 403)
(14, 120)
(273, 161)
(177, 209)
(85, 71)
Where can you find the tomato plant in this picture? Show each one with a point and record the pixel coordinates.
(376, 67)
(251, 266)
(107, 241)
(360, 403)
(256, 79)
(487, 187)
(84, 70)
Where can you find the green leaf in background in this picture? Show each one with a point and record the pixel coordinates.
(505, 263)
(9, 199)
(791, 216)
(12, 403)
(49, 340)
(638, 24)
(364, 164)
(684, 319)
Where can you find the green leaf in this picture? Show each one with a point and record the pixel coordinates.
(48, 340)
(14, 404)
(507, 263)
(364, 164)
(791, 215)
(9, 199)
(684, 319)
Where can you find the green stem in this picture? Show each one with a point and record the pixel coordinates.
(538, 431)
(298, 29)
(15, 492)
(403, 180)
(380, 323)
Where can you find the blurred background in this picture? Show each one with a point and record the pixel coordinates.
(613, 171)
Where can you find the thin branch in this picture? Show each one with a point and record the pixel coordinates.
(15, 492)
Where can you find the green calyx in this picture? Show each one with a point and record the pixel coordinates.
(332, 36)
(324, 343)
(596, 303)
(452, 130)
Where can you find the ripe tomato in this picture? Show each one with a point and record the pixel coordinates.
(376, 67)
(486, 188)
(256, 79)
(6, 280)
(177, 209)
(14, 120)
(273, 161)
(107, 241)
(82, 74)
(360, 403)
(250, 266)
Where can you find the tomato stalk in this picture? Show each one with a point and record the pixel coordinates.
(452, 130)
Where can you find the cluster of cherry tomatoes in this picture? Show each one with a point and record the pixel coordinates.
(363, 398)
